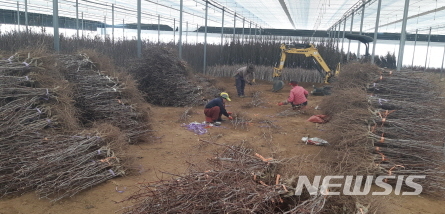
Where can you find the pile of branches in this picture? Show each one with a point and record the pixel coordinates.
(350, 150)
(241, 121)
(32, 155)
(240, 182)
(166, 80)
(101, 96)
(386, 122)
(42, 146)
(208, 89)
(56, 166)
(408, 86)
(257, 100)
(408, 127)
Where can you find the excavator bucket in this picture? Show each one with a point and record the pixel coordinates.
(322, 91)
(277, 85)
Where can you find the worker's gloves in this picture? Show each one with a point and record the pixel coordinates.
(283, 103)
(230, 118)
(230, 113)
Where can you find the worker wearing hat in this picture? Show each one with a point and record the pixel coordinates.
(297, 97)
(216, 107)
(243, 75)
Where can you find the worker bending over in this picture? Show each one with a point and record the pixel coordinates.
(217, 107)
(297, 97)
(243, 75)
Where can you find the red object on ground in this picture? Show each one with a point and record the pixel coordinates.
(321, 118)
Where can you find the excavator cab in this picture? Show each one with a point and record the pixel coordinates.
(362, 38)
(299, 46)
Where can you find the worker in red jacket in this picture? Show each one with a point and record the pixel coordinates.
(216, 108)
(297, 97)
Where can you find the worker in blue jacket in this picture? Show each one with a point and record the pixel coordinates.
(216, 107)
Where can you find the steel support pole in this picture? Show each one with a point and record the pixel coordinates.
(403, 36)
(414, 51)
(376, 30)
(82, 25)
(443, 58)
(123, 29)
(361, 30)
(26, 15)
(343, 39)
(174, 30)
(349, 42)
(181, 7)
(259, 32)
(105, 27)
(243, 28)
(112, 23)
(427, 48)
(234, 26)
(338, 35)
(139, 43)
(205, 39)
(18, 16)
(77, 19)
(186, 32)
(56, 25)
(197, 29)
(159, 28)
(256, 26)
(250, 30)
(334, 29)
(222, 28)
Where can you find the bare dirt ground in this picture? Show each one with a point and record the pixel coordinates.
(174, 148)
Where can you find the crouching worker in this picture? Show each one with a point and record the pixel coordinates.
(297, 97)
(216, 107)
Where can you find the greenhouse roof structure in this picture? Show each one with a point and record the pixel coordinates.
(315, 15)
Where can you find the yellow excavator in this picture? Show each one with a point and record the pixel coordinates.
(309, 51)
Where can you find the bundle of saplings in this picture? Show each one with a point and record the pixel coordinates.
(165, 79)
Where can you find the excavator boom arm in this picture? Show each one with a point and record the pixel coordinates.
(309, 51)
(277, 71)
